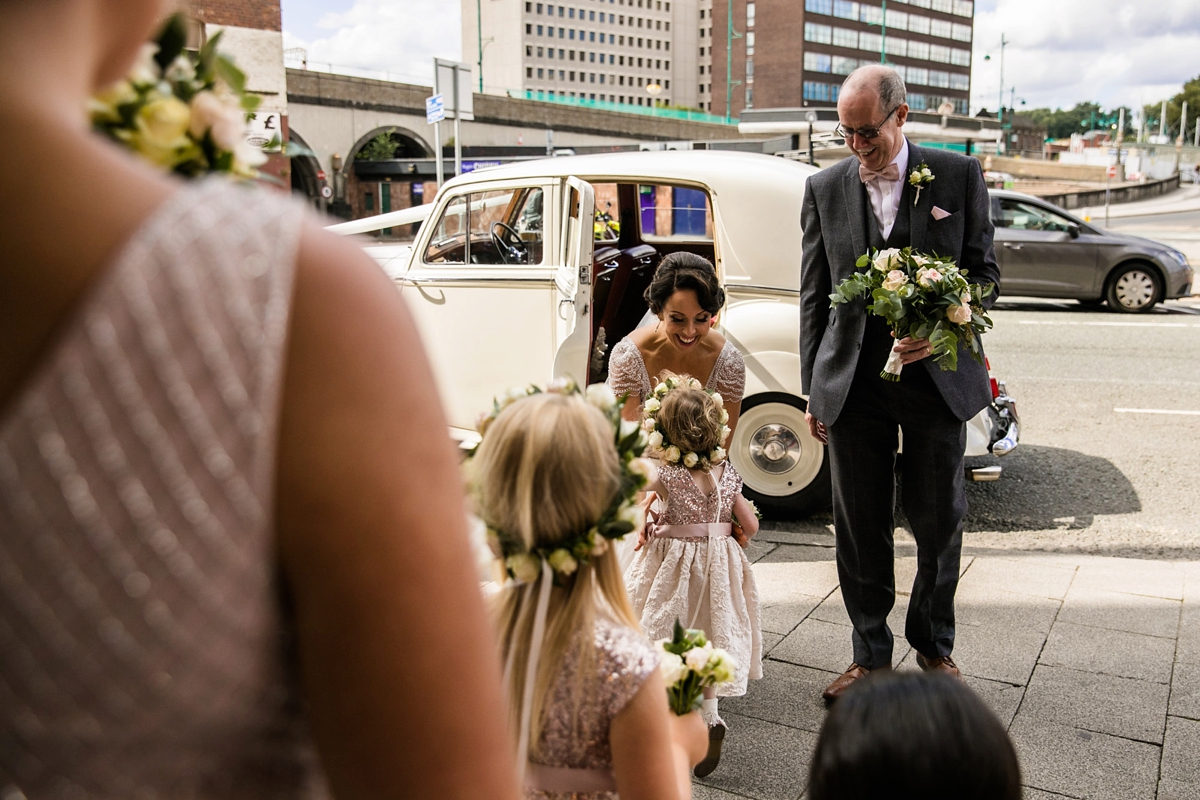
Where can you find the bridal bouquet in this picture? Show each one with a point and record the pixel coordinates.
(925, 297)
(689, 665)
(182, 110)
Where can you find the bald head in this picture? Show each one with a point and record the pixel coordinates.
(883, 83)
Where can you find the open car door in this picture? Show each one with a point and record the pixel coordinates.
(573, 282)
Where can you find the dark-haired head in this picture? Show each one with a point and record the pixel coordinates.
(685, 272)
(906, 736)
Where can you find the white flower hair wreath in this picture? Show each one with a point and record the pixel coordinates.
(657, 440)
(623, 514)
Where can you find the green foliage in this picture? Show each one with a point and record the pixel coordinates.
(380, 148)
(1190, 93)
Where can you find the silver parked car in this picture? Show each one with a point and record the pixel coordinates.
(1043, 251)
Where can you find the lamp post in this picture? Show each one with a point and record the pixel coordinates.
(730, 35)
(654, 90)
(479, 37)
(811, 117)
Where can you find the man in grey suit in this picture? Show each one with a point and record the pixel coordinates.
(860, 203)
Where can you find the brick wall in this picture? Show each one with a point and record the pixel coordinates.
(262, 15)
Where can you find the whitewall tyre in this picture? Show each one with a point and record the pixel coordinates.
(785, 470)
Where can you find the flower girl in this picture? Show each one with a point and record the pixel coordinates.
(588, 705)
(691, 566)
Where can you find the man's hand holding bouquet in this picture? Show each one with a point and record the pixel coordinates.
(921, 297)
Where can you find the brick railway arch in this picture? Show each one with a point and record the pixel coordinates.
(411, 145)
(305, 171)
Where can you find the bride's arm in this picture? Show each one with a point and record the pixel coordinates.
(398, 661)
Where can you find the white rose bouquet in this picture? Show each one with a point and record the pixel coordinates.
(182, 110)
(689, 664)
(925, 297)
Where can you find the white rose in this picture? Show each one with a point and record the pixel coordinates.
(915, 177)
(724, 417)
(599, 546)
(563, 562)
(220, 115)
(661, 389)
(697, 658)
(895, 279)
(671, 668)
(628, 426)
(644, 468)
(648, 425)
(717, 455)
(691, 460)
(180, 69)
(525, 567)
(634, 514)
(560, 386)
(654, 441)
(652, 405)
(925, 173)
(601, 396)
(145, 70)
(716, 397)
(885, 259)
(516, 393)
(959, 315)
(721, 666)
(724, 434)
(692, 383)
(671, 454)
(928, 277)
(920, 261)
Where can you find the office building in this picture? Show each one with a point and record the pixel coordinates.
(796, 53)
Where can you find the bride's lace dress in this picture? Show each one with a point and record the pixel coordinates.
(627, 373)
(143, 641)
(706, 583)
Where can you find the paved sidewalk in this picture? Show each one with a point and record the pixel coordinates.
(1093, 664)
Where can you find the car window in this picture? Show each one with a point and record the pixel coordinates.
(674, 212)
(1022, 216)
(506, 227)
(607, 225)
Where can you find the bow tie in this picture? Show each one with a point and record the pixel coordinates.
(889, 173)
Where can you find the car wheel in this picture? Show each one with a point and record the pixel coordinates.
(784, 469)
(1134, 288)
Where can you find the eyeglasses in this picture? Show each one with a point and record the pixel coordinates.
(865, 133)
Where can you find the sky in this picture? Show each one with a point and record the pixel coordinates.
(1059, 52)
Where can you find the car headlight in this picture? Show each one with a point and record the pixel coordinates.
(1178, 256)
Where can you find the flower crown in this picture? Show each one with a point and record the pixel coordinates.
(623, 514)
(657, 438)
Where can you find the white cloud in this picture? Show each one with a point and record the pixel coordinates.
(396, 37)
(1061, 52)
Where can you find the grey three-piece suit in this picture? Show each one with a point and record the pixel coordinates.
(842, 352)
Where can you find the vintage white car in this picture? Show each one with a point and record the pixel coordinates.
(535, 269)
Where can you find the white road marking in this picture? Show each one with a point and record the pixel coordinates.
(1110, 324)
(1156, 411)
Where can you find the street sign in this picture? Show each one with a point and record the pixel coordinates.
(453, 80)
(1112, 171)
(326, 192)
(264, 129)
(435, 109)
(320, 174)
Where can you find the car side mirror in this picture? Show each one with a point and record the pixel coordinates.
(1073, 229)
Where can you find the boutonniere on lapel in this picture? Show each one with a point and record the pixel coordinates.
(919, 178)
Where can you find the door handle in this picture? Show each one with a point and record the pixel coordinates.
(562, 303)
(1012, 246)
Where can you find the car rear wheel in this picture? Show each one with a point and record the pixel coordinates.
(785, 470)
(1133, 289)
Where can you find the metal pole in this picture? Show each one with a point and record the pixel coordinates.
(810, 144)
(457, 144)
(1107, 180)
(1162, 120)
(479, 32)
(1000, 101)
(437, 146)
(1179, 139)
(883, 36)
(728, 58)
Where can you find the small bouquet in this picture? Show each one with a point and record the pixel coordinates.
(182, 110)
(925, 297)
(689, 665)
(753, 508)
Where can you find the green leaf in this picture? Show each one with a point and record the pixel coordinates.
(228, 72)
(171, 40)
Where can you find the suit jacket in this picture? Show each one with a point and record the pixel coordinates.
(834, 218)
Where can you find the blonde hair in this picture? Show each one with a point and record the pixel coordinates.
(548, 470)
(690, 419)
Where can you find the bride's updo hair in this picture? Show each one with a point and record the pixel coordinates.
(690, 419)
(685, 271)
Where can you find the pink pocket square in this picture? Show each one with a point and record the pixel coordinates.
(939, 214)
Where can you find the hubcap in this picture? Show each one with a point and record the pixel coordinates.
(1135, 289)
(774, 448)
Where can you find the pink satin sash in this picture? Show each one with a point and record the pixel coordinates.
(567, 780)
(699, 530)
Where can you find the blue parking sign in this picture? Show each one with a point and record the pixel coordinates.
(435, 109)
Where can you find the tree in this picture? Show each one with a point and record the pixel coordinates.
(380, 148)
(1191, 93)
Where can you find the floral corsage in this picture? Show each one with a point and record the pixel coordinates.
(919, 178)
(657, 441)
